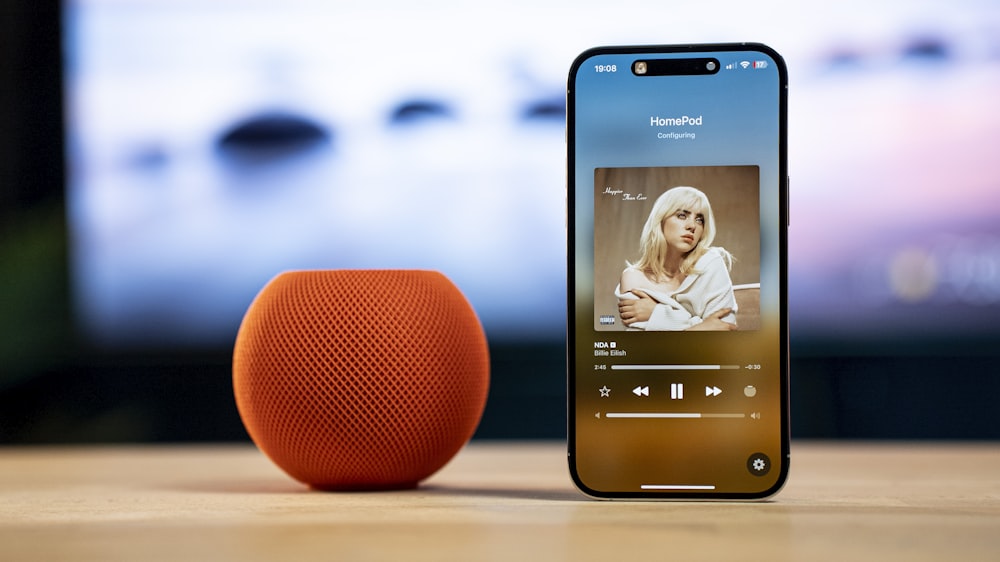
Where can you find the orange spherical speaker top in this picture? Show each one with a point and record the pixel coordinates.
(367, 379)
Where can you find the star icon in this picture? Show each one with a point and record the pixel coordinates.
(605, 391)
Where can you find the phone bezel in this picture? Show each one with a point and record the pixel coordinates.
(783, 213)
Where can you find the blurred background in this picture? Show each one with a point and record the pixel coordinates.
(161, 160)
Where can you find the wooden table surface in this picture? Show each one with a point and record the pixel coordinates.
(494, 501)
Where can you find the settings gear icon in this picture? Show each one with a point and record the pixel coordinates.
(759, 464)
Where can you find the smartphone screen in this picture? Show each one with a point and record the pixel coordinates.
(677, 223)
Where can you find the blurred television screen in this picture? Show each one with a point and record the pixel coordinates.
(212, 144)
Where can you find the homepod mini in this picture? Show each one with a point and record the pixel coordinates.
(360, 379)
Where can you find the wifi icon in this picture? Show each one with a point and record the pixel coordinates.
(745, 64)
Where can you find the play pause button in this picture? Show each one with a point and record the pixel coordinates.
(641, 391)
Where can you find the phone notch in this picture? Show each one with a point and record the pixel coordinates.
(676, 67)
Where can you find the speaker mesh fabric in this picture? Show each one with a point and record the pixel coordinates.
(360, 379)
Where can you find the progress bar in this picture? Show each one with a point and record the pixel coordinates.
(674, 367)
(670, 415)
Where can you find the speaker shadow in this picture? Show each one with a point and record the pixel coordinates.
(505, 493)
(265, 487)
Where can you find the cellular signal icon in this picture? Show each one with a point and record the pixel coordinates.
(745, 64)
(731, 66)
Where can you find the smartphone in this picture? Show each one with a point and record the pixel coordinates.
(677, 232)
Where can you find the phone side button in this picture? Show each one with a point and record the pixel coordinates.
(788, 201)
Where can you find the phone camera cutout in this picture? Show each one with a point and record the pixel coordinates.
(675, 66)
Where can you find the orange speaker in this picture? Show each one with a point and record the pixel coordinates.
(360, 379)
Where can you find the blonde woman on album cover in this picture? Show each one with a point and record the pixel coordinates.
(681, 281)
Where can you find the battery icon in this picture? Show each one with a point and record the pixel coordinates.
(760, 64)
